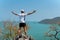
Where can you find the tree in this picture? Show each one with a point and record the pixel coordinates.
(54, 30)
(9, 31)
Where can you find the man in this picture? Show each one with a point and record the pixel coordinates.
(22, 19)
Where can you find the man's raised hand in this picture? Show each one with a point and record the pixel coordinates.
(14, 13)
(34, 11)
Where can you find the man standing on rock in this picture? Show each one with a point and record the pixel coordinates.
(22, 16)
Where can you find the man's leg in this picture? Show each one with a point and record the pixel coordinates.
(19, 31)
(25, 30)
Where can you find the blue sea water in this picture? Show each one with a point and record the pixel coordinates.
(36, 30)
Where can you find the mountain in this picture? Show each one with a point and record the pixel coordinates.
(51, 21)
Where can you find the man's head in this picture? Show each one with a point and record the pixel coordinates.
(22, 11)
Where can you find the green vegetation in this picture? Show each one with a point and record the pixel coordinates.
(9, 31)
(54, 32)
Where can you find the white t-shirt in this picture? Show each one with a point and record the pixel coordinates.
(22, 17)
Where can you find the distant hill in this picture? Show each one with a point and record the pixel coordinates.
(51, 21)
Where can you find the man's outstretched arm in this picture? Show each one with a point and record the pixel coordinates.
(15, 13)
(31, 12)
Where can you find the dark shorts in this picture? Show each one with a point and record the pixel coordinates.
(22, 24)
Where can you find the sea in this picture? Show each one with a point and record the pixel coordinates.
(36, 30)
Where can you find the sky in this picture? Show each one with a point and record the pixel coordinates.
(45, 9)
